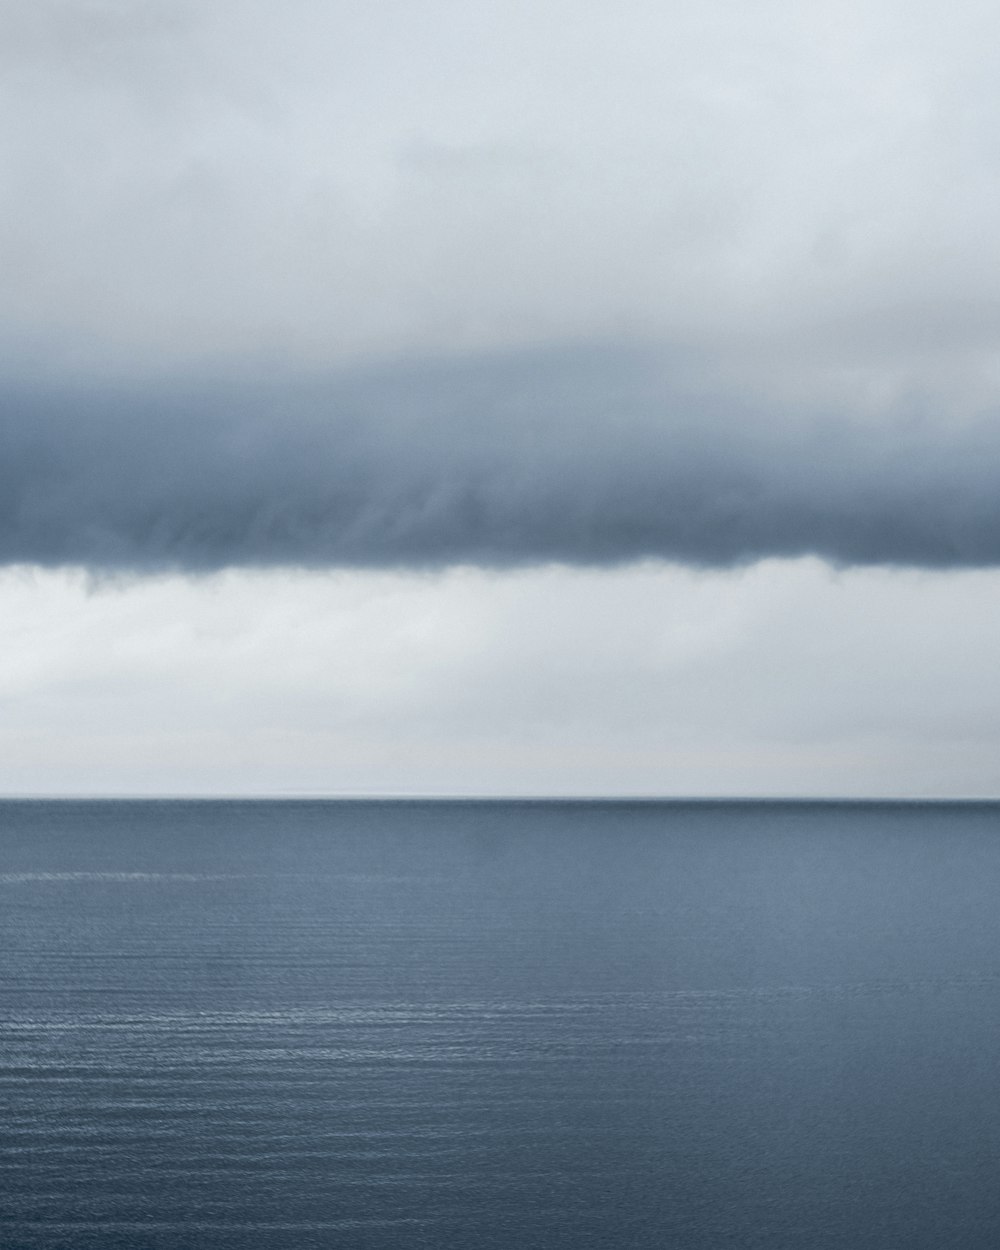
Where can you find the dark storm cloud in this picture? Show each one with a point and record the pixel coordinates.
(584, 457)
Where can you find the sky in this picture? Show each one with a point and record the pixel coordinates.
(499, 398)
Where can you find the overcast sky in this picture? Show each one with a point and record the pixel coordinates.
(499, 397)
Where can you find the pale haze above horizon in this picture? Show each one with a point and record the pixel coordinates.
(494, 398)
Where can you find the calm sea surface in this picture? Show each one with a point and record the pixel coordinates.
(499, 1025)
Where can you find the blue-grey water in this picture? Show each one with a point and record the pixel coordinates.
(499, 1025)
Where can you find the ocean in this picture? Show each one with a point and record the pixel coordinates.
(507, 1025)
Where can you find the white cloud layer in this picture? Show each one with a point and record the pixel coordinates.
(809, 190)
(784, 678)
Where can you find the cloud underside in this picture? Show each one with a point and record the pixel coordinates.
(579, 457)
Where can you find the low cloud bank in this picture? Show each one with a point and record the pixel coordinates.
(581, 457)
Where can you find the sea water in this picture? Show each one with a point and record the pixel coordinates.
(499, 1025)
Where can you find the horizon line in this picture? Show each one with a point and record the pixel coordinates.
(333, 796)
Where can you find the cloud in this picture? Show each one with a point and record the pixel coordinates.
(580, 456)
(336, 180)
(786, 678)
(783, 217)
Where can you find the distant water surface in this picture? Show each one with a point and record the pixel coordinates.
(499, 1025)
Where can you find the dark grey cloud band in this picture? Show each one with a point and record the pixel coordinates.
(584, 457)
